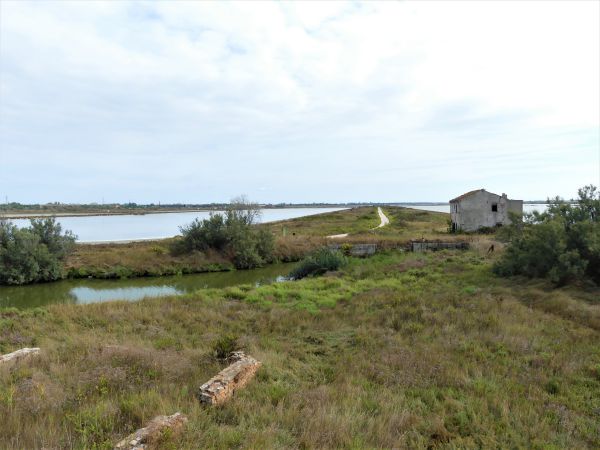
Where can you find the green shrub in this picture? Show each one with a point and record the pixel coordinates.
(265, 244)
(562, 244)
(231, 233)
(346, 248)
(552, 386)
(224, 346)
(204, 234)
(158, 250)
(59, 244)
(318, 263)
(35, 253)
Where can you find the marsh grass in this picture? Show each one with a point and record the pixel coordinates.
(353, 220)
(321, 261)
(294, 240)
(154, 258)
(148, 258)
(399, 350)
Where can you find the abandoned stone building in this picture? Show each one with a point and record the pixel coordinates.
(480, 208)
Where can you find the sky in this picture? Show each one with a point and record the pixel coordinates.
(197, 102)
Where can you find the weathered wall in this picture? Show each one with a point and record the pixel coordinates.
(475, 211)
(423, 246)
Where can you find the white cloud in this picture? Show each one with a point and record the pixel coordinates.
(432, 88)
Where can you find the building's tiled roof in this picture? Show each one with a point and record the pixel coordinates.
(466, 194)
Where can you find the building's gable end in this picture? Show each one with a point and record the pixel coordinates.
(465, 195)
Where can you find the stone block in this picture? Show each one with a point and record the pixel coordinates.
(221, 387)
(146, 437)
(19, 355)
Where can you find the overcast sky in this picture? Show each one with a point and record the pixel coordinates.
(297, 102)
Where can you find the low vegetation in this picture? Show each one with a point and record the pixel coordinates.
(156, 258)
(233, 233)
(353, 220)
(399, 350)
(321, 261)
(293, 240)
(139, 259)
(562, 243)
(35, 253)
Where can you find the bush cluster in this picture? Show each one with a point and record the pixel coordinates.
(232, 234)
(318, 263)
(225, 346)
(562, 244)
(35, 253)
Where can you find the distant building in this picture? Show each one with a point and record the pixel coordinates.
(480, 208)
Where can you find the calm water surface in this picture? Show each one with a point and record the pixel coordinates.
(154, 226)
(94, 291)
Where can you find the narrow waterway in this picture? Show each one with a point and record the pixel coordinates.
(93, 291)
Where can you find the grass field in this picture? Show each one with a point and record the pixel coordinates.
(399, 350)
(294, 239)
(354, 220)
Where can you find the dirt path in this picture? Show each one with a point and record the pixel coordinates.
(337, 236)
(384, 221)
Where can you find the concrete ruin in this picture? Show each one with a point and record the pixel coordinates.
(149, 436)
(482, 209)
(357, 250)
(423, 246)
(19, 354)
(221, 387)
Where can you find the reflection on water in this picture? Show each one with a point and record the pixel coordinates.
(91, 295)
(93, 291)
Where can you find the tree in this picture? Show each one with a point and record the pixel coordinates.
(33, 254)
(562, 243)
(232, 233)
(50, 233)
(243, 211)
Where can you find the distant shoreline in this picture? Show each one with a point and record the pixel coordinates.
(32, 214)
(137, 212)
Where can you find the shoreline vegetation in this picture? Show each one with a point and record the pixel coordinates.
(288, 241)
(401, 350)
(398, 350)
(24, 211)
(294, 239)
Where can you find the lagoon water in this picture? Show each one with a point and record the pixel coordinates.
(93, 291)
(131, 227)
(154, 226)
(158, 226)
